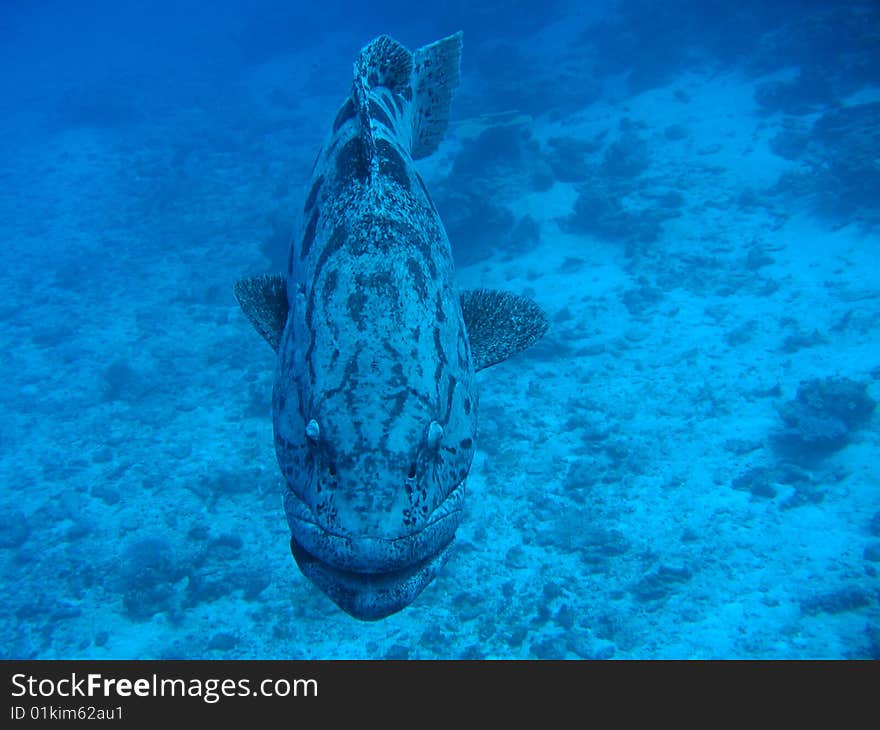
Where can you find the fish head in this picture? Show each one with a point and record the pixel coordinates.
(375, 466)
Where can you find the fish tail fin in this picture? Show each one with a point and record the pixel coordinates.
(435, 76)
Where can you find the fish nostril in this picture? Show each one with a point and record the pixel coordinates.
(412, 471)
(331, 469)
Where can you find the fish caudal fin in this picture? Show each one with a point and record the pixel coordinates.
(263, 299)
(500, 324)
(436, 74)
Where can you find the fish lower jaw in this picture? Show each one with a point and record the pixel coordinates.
(373, 553)
(372, 577)
(370, 596)
(364, 554)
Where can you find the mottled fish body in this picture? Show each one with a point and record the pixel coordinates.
(375, 399)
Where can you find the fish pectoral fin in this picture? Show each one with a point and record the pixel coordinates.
(500, 324)
(263, 299)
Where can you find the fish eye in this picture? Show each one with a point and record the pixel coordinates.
(313, 431)
(435, 434)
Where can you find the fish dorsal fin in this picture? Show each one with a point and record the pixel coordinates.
(436, 73)
(383, 62)
(263, 299)
(500, 324)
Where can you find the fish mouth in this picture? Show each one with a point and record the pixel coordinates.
(372, 577)
(370, 596)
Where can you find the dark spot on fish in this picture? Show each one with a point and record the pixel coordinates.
(351, 162)
(299, 401)
(383, 285)
(467, 406)
(466, 443)
(378, 231)
(438, 373)
(333, 245)
(450, 393)
(355, 305)
(441, 315)
(334, 357)
(391, 164)
(397, 407)
(378, 113)
(397, 368)
(407, 93)
(399, 103)
(310, 310)
(418, 279)
(429, 261)
(345, 113)
(308, 236)
(313, 194)
(438, 346)
(337, 239)
(416, 240)
(463, 348)
(380, 281)
(282, 401)
(351, 369)
(329, 286)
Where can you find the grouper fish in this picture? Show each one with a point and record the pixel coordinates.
(374, 403)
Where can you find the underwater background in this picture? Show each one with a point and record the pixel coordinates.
(687, 466)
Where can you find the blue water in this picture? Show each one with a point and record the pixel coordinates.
(685, 467)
